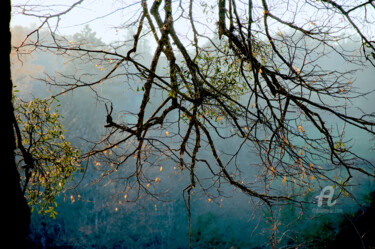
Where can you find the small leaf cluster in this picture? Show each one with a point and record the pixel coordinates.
(222, 74)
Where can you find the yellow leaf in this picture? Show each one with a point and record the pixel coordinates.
(167, 133)
(157, 179)
(125, 196)
(260, 70)
(296, 69)
(284, 180)
(209, 200)
(161, 168)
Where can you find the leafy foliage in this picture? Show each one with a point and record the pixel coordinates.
(55, 160)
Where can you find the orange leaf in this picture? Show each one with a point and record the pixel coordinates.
(285, 140)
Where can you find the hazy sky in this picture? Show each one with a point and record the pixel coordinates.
(102, 16)
(105, 17)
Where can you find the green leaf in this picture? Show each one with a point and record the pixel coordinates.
(55, 159)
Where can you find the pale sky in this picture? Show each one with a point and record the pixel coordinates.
(85, 13)
(103, 16)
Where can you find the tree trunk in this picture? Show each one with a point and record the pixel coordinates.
(15, 211)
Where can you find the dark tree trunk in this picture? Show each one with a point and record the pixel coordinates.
(15, 211)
